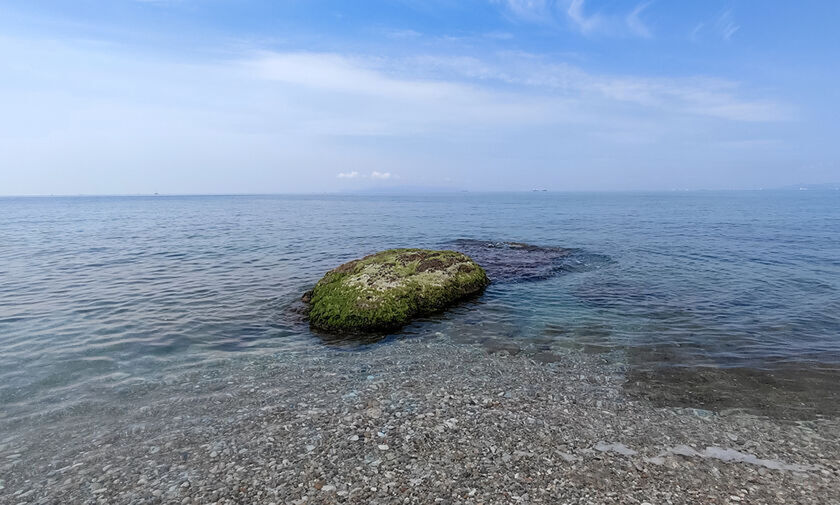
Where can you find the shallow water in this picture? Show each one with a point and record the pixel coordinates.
(99, 293)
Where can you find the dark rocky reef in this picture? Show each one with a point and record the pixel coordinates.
(518, 262)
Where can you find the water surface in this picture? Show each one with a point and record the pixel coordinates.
(101, 293)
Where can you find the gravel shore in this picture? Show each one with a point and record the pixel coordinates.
(413, 421)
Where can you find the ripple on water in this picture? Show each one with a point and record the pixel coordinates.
(99, 291)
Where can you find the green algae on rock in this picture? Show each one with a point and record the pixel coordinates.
(386, 290)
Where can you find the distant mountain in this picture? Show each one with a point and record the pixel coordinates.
(406, 190)
(835, 186)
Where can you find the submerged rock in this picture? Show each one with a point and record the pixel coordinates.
(518, 262)
(384, 291)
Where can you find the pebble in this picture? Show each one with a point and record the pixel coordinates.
(461, 427)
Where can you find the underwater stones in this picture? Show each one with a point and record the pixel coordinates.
(384, 291)
(517, 262)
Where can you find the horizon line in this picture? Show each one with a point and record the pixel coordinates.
(804, 187)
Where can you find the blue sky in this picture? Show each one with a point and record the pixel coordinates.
(224, 96)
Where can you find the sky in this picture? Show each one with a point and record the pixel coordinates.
(310, 96)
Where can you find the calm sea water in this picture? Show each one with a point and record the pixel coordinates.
(102, 291)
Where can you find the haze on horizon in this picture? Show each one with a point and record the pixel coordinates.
(262, 96)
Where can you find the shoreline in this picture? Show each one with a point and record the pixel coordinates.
(413, 421)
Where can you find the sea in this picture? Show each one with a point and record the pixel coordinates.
(97, 293)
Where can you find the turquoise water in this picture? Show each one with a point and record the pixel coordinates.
(96, 292)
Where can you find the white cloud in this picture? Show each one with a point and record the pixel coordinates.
(726, 25)
(695, 96)
(585, 24)
(352, 95)
(288, 119)
(499, 35)
(448, 90)
(530, 10)
(552, 12)
(698, 28)
(340, 73)
(403, 34)
(373, 175)
(635, 23)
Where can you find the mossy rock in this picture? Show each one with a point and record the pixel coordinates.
(384, 291)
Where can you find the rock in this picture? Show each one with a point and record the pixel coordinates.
(516, 262)
(617, 448)
(384, 291)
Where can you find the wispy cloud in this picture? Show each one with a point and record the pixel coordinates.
(499, 35)
(314, 117)
(635, 23)
(701, 96)
(561, 13)
(341, 73)
(159, 2)
(585, 24)
(403, 34)
(370, 95)
(722, 27)
(454, 84)
(726, 25)
(534, 11)
(695, 32)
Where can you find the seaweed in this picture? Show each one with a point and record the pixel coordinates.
(384, 291)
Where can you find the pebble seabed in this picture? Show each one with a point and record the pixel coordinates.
(414, 421)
